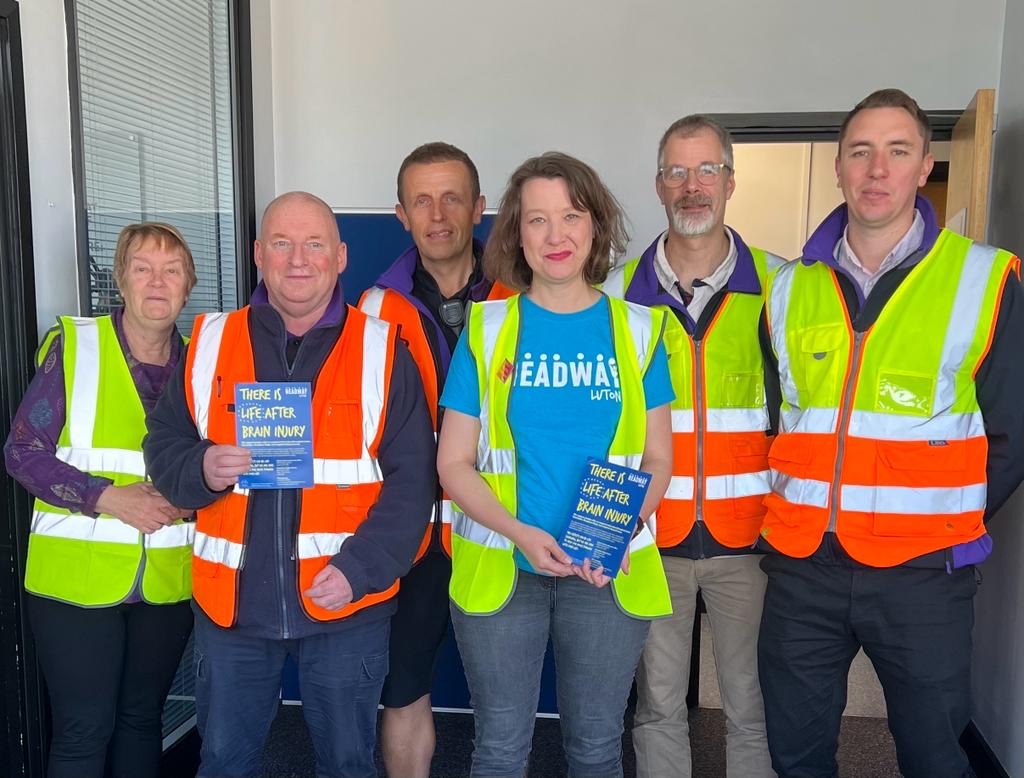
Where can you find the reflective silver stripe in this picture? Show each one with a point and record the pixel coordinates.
(963, 320)
(494, 314)
(891, 426)
(724, 487)
(680, 487)
(626, 460)
(346, 471)
(801, 491)
(74, 526)
(492, 318)
(207, 344)
(737, 420)
(682, 421)
(914, 500)
(820, 420)
(219, 551)
(311, 545)
(240, 491)
(465, 527)
(639, 319)
(375, 355)
(104, 460)
(173, 536)
(777, 309)
(644, 538)
(615, 284)
(85, 389)
(373, 301)
(499, 461)
(447, 511)
(773, 261)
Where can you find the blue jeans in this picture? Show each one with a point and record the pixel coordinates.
(596, 648)
(238, 684)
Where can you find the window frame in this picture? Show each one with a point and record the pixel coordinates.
(243, 166)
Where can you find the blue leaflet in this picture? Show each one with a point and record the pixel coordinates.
(605, 513)
(274, 421)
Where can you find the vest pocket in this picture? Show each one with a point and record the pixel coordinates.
(924, 495)
(903, 392)
(743, 390)
(818, 369)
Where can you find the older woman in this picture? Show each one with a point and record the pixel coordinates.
(108, 574)
(538, 384)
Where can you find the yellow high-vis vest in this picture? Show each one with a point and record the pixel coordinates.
(483, 568)
(96, 562)
(881, 439)
(719, 420)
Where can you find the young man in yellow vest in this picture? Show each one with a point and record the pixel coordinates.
(711, 283)
(893, 353)
(425, 293)
(309, 572)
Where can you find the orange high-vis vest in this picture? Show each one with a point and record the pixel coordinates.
(719, 420)
(881, 438)
(394, 307)
(348, 413)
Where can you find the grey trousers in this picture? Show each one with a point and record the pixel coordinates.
(733, 591)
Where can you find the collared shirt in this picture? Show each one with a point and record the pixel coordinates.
(865, 279)
(703, 288)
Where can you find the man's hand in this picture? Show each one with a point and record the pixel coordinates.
(330, 589)
(222, 465)
(543, 552)
(138, 505)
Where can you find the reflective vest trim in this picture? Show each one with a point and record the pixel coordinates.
(85, 388)
(311, 545)
(219, 551)
(208, 337)
(104, 460)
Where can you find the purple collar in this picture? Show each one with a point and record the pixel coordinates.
(821, 246)
(333, 315)
(399, 278)
(645, 289)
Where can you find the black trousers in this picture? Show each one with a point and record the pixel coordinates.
(913, 624)
(108, 671)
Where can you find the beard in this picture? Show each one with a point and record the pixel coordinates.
(692, 225)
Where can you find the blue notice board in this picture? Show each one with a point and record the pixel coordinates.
(375, 240)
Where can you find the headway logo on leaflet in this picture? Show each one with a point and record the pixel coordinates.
(600, 375)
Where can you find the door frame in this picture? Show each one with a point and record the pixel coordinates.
(22, 698)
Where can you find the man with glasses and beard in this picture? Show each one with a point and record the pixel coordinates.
(712, 284)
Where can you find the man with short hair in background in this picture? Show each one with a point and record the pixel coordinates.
(893, 365)
(310, 572)
(426, 292)
(712, 283)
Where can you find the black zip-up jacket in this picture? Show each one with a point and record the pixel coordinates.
(999, 381)
(382, 548)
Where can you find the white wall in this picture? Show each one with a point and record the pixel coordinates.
(998, 683)
(44, 46)
(357, 85)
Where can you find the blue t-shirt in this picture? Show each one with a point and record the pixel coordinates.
(563, 405)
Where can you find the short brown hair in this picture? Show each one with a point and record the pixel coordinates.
(166, 236)
(691, 125)
(503, 256)
(891, 98)
(437, 151)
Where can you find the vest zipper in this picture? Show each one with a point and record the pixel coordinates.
(278, 555)
(698, 420)
(844, 421)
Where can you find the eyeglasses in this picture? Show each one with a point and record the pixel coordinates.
(707, 173)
